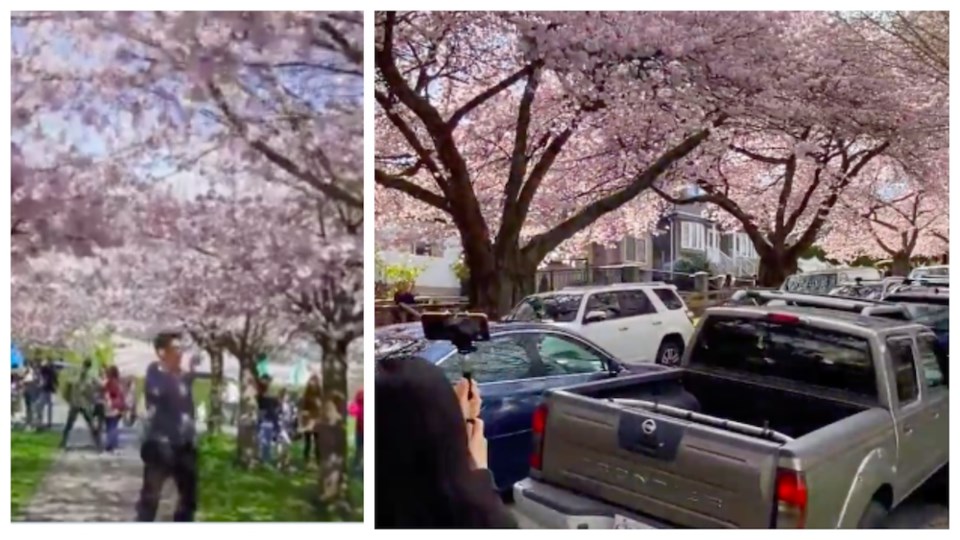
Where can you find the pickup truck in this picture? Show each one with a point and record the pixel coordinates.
(776, 417)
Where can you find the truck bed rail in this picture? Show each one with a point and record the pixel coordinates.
(738, 427)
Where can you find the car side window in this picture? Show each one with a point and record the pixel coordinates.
(634, 303)
(669, 298)
(904, 369)
(605, 302)
(563, 356)
(500, 359)
(929, 361)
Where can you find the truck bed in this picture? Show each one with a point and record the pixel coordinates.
(679, 470)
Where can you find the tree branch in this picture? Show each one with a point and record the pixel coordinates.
(421, 194)
(542, 244)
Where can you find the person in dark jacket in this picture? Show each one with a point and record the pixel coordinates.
(49, 377)
(169, 442)
(431, 453)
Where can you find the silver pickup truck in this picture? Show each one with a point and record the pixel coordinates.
(777, 417)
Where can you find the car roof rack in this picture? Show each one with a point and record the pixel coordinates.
(862, 306)
(617, 285)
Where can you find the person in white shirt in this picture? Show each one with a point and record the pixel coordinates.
(231, 401)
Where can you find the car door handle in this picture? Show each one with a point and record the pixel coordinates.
(658, 323)
(623, 328)
(908, 432)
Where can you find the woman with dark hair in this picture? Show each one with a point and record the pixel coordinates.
(431, 456)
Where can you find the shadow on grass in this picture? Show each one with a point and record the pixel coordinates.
(229, 494)
(31, 455)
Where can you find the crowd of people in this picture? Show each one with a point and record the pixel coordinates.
(100, 397)
(105, 401)
(283, 418)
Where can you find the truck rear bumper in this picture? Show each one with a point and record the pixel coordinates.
(556, 508)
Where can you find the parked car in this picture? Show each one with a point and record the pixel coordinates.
(869, 289)
(779, 417)
(823, 281)
(929, 306)
(512, 370)
(636, 322)
(939, 271)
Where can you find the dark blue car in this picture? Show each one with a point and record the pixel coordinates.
(513, 370)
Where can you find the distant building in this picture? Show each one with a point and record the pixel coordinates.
(436, 261)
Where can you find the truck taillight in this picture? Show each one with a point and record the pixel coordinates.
(791, 499)
(539, 427)
(783, 318)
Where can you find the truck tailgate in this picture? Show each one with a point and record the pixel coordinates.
(680, 472)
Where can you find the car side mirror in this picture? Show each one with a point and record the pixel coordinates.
(594, 316)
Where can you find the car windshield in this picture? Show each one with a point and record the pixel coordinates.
(811, 283)
(555, 308)
(793, 352)
(869, 292)
(942, 271)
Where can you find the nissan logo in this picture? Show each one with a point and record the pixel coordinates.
(648, 426)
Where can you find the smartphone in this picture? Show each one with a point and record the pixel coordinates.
(447, 326)
(461, 329)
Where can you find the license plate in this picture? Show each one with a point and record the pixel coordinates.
(623, 522)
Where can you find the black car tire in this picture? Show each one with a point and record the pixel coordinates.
(668, 347)
(874, 517)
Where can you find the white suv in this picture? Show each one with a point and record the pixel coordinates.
(636, 322)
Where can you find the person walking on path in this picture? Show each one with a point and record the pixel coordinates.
(169, 442)
(49, 381)
(32, 385)
(81, 393)
(231, 401)
(115, 407)
(310, 408)
(268, 420)
(100, 402)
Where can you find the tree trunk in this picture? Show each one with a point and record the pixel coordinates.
(775, 267)
(332, 432)
(247, 423)
(901, 264)
(215, 419)
(497, 292)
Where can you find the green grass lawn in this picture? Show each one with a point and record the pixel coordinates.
(31, 454)
(227, 494)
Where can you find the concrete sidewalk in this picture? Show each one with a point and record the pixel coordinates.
(85, 485)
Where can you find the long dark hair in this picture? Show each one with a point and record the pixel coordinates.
(424, 475)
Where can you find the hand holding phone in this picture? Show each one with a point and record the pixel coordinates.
(469, 398)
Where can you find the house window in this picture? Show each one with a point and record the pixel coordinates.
(423, 248)
(692, 235)
(633, 249)
(743, 247)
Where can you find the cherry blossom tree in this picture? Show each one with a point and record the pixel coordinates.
(265, 264)
(897, 217)
(210, 163)
(917, 42)
(781, 176)
(223, 92)
(530, 133)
